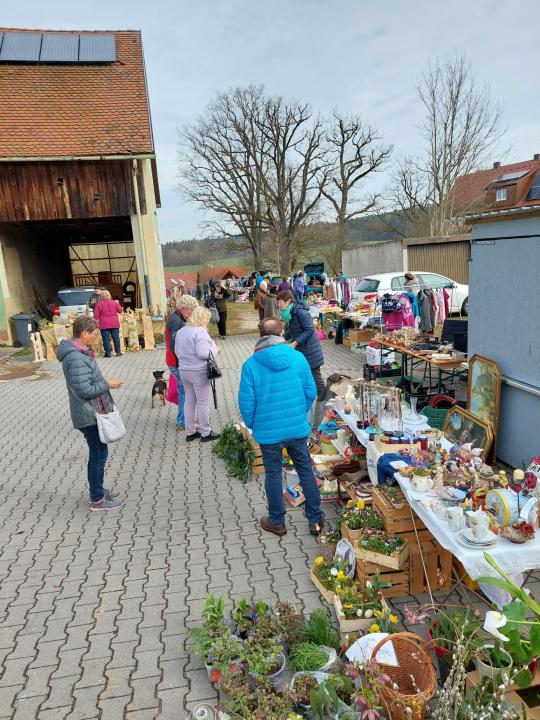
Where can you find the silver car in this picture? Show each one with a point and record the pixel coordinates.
(73, 299)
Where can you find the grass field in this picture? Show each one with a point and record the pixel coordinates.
(218, 263)
(242, 319)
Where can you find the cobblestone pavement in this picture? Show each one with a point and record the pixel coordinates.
(94, 608)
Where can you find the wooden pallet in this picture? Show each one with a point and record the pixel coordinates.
(328, 595)
(396, 521)
(399, 579)
(394, 562)
(258, 467)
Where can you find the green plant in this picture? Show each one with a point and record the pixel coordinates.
(213, 627)
(362, 518)
(513, 621)
(246, 615)
(303, 685)
(343, 686)
(318, 629)
(238, 452)
(213, 611)
(307, 656)
(225, 649)
(494, 655)
(261, 656)
(421, 472)
(378, 541)
(323, 700)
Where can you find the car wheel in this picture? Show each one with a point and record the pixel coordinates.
(465, 307)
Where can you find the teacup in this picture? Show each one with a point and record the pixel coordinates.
(479, 532)
(456, 518)
(479, 522)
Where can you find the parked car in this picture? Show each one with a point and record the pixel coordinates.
(275, 281)
(314, 276)
(394, 282)
(73, 299)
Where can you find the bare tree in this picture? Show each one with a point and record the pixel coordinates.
(218, 169)
(461, 126)
(355, 153)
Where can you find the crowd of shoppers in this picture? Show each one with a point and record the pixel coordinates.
(282, 379)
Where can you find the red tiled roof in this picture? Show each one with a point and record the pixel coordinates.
(77, 110)
(190, 277)
(467, 194)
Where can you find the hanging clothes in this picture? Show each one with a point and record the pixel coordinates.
(426, 311)
(414, 303)
(408, 317)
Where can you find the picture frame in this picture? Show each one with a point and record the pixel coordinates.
(461, 427)
(484, 394)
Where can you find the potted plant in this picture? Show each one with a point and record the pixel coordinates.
(444, 631)
(357, 608)
(395, 496)
(264, 660)
(379, 547)
(213, 628)
(493, 662)
(306, 656)
(301, 686)
(358, 518)
(224, 655)
(318, 629)
(518, 625)
(246, 615)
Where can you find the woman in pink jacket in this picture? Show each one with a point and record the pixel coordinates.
(106, 313)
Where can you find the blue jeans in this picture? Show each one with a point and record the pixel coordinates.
(98, 453)
(180, 420)
(299, 296)
(299, 454)
(106, 334)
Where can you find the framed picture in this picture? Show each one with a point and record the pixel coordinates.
(484, 393)
(461, 427)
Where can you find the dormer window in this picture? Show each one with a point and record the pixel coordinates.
(502, 194)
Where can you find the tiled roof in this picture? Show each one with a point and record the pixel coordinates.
(77, 110)
(468, 192)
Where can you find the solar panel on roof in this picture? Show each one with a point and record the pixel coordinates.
(20, 47)
(59, 47)
(511, 176)
(97, 48)
(534, 190)
(1, 38)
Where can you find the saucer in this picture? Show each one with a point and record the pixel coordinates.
(467, 539)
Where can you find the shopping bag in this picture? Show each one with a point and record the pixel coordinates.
(172, 390)
(110, 426)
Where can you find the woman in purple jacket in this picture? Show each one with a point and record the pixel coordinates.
(106, 313)
(192, 347)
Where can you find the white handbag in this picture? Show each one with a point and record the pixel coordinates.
(110, 426)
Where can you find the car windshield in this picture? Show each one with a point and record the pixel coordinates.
(75, 297)
(367, 285)
(277, 280)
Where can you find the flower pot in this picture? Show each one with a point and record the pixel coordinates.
(485, 670)
(274, 679)
(214, 675)
(439, 651)
(354, 535)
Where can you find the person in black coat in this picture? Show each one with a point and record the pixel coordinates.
(301, 332)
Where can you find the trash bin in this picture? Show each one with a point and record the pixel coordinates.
(25, 323)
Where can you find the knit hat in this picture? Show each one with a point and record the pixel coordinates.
(187, 301)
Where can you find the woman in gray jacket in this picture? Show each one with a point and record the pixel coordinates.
(89, 393)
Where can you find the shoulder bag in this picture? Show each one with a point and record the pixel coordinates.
(110, 425)
(212, 367)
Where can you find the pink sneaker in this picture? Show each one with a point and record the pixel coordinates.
(107, 504)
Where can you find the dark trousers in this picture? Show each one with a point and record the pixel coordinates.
(106, 334)
(319, 382)
(98, 453)
(273, 485)
(222, 323)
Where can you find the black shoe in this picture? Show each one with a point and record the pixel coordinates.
(209, 438)
(107, 355)
(119, 354)
(317, 528)
(194, 436)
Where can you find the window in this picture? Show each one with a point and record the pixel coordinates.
(501, 194)
(74, 297)
(367, 285)
(398, 283)
(433, 282)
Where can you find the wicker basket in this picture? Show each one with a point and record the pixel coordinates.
(414, 675)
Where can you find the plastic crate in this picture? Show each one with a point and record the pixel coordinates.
(371, 372)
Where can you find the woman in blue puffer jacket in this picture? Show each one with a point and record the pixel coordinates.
(301, 332)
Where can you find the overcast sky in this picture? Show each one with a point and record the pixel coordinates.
(352, 55)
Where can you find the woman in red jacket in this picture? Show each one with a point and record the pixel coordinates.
(106, 313)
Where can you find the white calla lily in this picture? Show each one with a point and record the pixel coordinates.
(495, 620)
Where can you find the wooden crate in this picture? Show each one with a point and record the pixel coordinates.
(399, 579)
(394, 562)
(354, 624)
(347, 342)
(328, 595)
(437, 561)
(396, 522)
(524, 700)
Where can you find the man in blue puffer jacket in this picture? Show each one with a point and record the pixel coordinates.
(275, 395)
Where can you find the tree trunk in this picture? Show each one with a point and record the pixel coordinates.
(284, 257)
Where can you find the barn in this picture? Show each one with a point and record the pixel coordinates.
(78, 175)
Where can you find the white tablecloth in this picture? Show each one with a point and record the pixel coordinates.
(513, 558)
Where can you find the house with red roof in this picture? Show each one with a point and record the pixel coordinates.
(78, 175)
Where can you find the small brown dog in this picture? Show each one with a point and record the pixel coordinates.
(159, 387)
